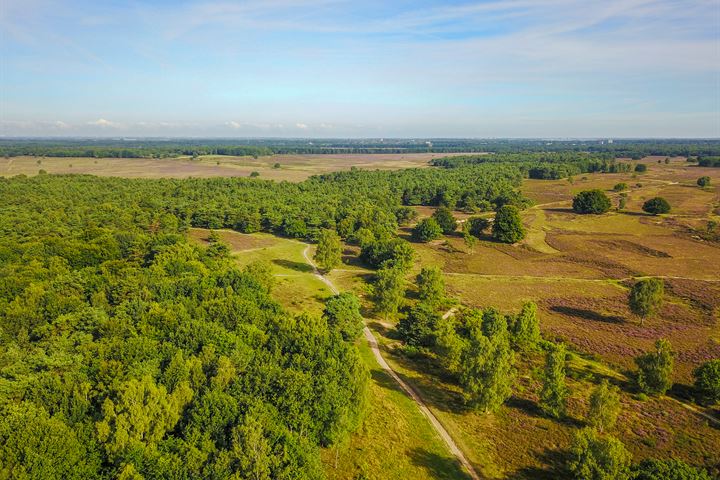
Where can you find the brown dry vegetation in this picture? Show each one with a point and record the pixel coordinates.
(293, 168)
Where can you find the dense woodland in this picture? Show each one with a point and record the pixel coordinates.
(146, 148)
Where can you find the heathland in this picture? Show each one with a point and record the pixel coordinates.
(174, 327)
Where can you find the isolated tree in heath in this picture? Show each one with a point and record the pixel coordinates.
(591, 201)
(554, 393)
(646, 297)
(707, 382)
(329, 250)
(445, 219)
(343, 313)
(597, 457)
(656, 206)
(426, 230)
(507, 226)
(703, 181)
(655, 369)
(604, 406)
(431, 286)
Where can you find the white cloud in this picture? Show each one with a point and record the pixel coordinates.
(101, 122)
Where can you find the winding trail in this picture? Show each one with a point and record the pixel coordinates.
(372, 341)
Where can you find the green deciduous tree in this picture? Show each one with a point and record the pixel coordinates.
(656, 206)
(418, 327)
(431, 286)
(388, 290)
(526, 327)
(343, 313)
(655, 369)
(604, 406)
(476, 226)
(646, 297)
(707, 382)
(554, 393)
(591, 201)
(703, 181)
(445, 219)
(486, 368)
(596, 457)
(670, 469)
(329, 250)
(426, 230)
(507, 226)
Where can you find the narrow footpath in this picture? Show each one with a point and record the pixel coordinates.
(372, 341)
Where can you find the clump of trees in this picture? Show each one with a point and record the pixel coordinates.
(601, 457)
(591, 202)
(656, 206)
(619, 187)
(507, 226)
(641, 168)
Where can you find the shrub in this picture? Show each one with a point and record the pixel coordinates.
(641, 167)
(254, 174)
(591, 201)
(656, 206)
(619, 187)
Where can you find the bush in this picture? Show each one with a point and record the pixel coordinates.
(591, 201)
(426, 230)
(707, 382)
(656, 206)
(619, 187)
(254, 174)
(508, 227)
(703, 181)
(641, 167)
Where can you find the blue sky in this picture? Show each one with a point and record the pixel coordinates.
(335, 68)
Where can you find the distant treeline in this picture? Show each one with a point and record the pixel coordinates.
(544, 166)
(159, 148)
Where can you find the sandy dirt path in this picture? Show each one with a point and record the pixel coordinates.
(372, 341)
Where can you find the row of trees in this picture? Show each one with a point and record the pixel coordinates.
(597, 202)
(507, 226)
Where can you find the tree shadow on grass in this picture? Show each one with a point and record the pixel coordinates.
(289, 264)
(555, 467)
(586, 314)
(533, 409)
(385, 381)
(437, 466)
